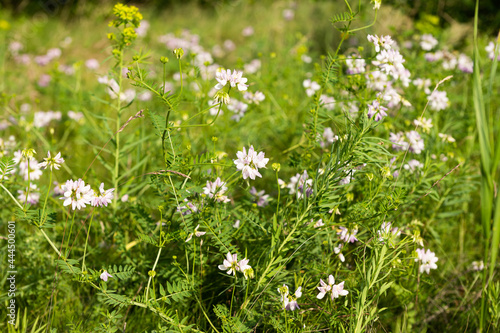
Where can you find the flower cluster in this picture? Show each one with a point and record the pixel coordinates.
(250, 163)
(415, 142)
(335, 290)
(77, 194)
(427, 260)
(232, 265)
(215, 190)
(235, 79)
(289, 301)
(346, 235)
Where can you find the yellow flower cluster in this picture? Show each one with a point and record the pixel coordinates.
(126, 15)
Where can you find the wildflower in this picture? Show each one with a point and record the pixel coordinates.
(290, 302)
(425, 123)
(245, 268)
(221, 97)
(428, 260)
(105, 275)
(346, 236)
(422, 84)
(77, 194)
(288, 14)
(104, 198)
(398, 142)
(446, 138)
(55, 161)
(328, 137)
(239, 108)
(387, 234)
(230, 264)
(385, 42)
(477, 265)
(236, 224)
(438, 100)
(327, 102)
(249, 163)
(196, 233)
(300, 183)
(254, 98)
(261, 199)
(491, 48)
(235, 79)
(32, 197)
(319, 223)
(216, 190)
(377, 110)
(76, 116)
(337, 250)
(376, 4)
(416, 142)
(253, 66)
(335, 290)
(355, 65)
(391, 62)
(311, 87)
(428, 42)
(465, 64)
(248, 31)
(413, 165)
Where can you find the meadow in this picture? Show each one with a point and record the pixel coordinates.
(248, 166)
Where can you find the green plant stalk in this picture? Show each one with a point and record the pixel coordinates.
(117, 134)
(70, 230)
(153, 269)
(46, 197)
(87, 240)
(13, 198)
(28, 189)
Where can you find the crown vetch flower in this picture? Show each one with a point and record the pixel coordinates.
(196, 233)
(427, 259)
(216, 190)
(105, 275)
(77, 194)
(235, 79)
(249, 163)
(230, 264)
(104, 198)
(289, 302)
(55, 161)
(335, 290)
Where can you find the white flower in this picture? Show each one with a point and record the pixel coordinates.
(391, 62)
(425, 123)
(254, 98)
(428, 260)
(327, 102)
(428, 42)
(239, 108)
(105, 275)
(298, 182)
(388, 234)
(77, 194)
(337, 250)
(335, 290)
(422, 84)
(235, 79)
(230, 264)
(104, 198)
(196, 233)
(249, 163)
(33, 196)
(398, 142)
(346, 236)
(491, 48)
(328, 137)
(311, 87)
(216, 190)
(477, 265)
(290, 302)
(416, 142)
(446, 138)
(55, 161)
(355, 65)
(245, 268)
(319, 223)
(438, 100)
(385, 42)
(260, 197)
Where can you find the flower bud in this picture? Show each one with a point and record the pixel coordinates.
(178, 53)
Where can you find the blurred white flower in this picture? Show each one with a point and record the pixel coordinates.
(49, 161)
(427, 259)
(335, 290)
(250, 163)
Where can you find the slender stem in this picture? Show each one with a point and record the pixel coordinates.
(28, 189)
(117, 140)
(70, 230)
(232, 298)
(50, 242)
(87, 240)
(13, 198)
(149, 281)
(46, 197)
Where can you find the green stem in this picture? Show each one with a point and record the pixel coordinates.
(13, 198)
(46, 197)
(87, 240)
(117, 139)
(149, 281)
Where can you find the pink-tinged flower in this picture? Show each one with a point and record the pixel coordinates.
(103, 198)
(216, 190)
(428, 42)
(195, 233)
(55, 161)
(33, 196)
(311, 87)
(77, 194)
(319, 223)
(385, 42)
(249, 163)
(377, 110)
(245, 268)
(438, 100)
(260, 197)
(235, 79)
(289, 302)
(105, 275)
(427, 259)
(335, 290)
(230, 264)
(346, 236)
